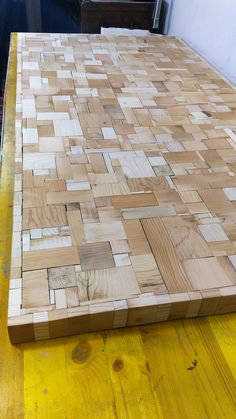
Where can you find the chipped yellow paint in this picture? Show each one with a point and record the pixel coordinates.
(183, 369)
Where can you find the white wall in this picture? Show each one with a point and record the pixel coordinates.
(209, 26)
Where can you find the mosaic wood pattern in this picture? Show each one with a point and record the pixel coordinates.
(125, 185)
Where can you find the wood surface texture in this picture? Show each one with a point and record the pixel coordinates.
(124, 205)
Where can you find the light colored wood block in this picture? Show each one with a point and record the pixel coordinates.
(133, 167)
(60, 297)
(210, 302)
(119, 246)
(120, 313)
(34, 218)
(213, 232)
(49, 258)
(61, 277)
(129, 102)
(68, 197)
(96, 256)
(167, 260)
(65, 127)
(206, 273)
(30, 136)
(51, 243)
(107, 283)
(35, 289)
(51, 116)
(101, 232)
(179, 305)
(136, 238)
(64, 169)
(148, 212)
(141, 310)
(38, 161)
(101, 316)
(72, 299)
(163, 307)
(195, 304)
(186, 239)
(134, 200)
(122, 260)
(146, 271)
(51, 144)
(230, 193)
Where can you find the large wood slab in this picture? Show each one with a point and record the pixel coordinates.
(125, 185)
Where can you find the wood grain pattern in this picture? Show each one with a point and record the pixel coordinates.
(164, 252)
(112, 283)
(38, 259)
(96, 256)
(44, 217)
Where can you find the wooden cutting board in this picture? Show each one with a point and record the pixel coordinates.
(125, 185)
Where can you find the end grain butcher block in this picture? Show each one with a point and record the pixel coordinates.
(125, 185)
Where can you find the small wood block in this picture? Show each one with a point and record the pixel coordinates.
(78, 319)
(227, 303)
(213, 232)
(63, 277)
(206, 273)
(141, 310)
(49, 258)
(35, 289)
(111, 283)
(96, 256)
(119, 246)
(120, 313)
(195, 304)
(58, 322)
(21, 328)
(134, 200)
(163, 307)
(210, 301)
(179, 305)
(53, 216)
(164, 252)
(72, 298)
(101, 316)
(122, 259)
(64, 169)
(60, 297)
(146, 271)
(68, 197)
(41, 326)
(101, 232)
(76, 227)
(136, 237)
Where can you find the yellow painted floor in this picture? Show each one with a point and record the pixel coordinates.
(180, 369)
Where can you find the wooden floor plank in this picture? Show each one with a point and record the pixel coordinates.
(80, 387)
(189, 355)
